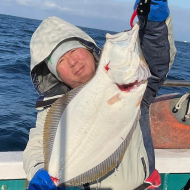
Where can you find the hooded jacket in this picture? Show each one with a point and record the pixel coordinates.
(48, 36)
(134, 167)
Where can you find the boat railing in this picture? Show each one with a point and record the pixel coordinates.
(167, 161)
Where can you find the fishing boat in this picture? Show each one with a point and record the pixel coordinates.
(173, 162)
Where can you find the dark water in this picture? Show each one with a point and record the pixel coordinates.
(17, 95)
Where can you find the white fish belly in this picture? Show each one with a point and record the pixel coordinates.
(91, 129)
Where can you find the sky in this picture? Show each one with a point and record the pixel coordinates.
(112, 15)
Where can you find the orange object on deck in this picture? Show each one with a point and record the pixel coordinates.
(168, 129)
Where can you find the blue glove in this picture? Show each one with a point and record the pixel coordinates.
(159, 10)
(42, 181)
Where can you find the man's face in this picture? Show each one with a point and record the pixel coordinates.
(76, 67)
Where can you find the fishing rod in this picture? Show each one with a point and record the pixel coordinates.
(177, 83)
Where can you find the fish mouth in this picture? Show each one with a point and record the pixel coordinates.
(140, 77)
(131, 86)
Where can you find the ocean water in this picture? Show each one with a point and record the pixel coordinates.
(17, 95)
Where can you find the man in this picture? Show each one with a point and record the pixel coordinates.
(75, 67)
(64, 57)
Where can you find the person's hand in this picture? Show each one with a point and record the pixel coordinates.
(42, 181)
(143, 7)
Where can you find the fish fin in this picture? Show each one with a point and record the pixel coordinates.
(52, 120)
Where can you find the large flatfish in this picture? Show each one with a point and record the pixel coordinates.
(87, 130)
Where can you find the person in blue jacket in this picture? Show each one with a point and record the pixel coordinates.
(157, 44)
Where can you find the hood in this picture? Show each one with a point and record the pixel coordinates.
(51, 33)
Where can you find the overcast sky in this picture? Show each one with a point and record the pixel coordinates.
(111, 15)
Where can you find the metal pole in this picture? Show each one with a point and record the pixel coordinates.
(176, 83)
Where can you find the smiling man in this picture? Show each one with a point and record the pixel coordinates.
(72, 63)
(76, 67)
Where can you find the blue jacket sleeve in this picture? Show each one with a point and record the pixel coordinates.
(159, 10)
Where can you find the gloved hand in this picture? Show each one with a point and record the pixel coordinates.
(143, 7)
(159, 10)
(42, 181)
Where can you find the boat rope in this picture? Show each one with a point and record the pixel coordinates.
(188, 112)
(181, 100)
(187, 115)
(179, 104)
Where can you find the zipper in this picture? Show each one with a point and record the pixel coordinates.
(144, 167)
